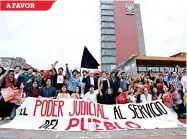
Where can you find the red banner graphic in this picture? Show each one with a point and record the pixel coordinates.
(26, 5)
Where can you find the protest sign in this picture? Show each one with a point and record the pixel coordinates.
(12, 95)
(79, 115)
(60, 79)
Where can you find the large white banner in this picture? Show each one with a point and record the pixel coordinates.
(80, 115)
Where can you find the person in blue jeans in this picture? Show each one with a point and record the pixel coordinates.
(16, 105)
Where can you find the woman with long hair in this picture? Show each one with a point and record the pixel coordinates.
(6, 107)
(122, 97)
(17, 104)
(34, 91)
(77, 94)
(131, 96)
(145, 97)
(63, 93)
(105, 82)
(109, 97)
(155, 95)
(167, 97)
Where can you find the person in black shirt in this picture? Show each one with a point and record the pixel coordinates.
(109, 97)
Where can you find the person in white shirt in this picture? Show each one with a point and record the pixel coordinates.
(92, 94)
(184, 81)
(90, 80)
(17, 72)
(146, 97)
(84, 74)
(63, 93)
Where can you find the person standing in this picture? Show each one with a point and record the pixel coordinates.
(29, 77)
(73, 80)
(184, 81)
(124, 82)
(90, 80)
(113, 82)
(104, 81)
(16, 105)
(3, 75)
(18, 75)
(58, 79)
(83, 84)
(6, 107)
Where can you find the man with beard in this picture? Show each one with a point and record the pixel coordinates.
(58, 79)
(18, 75)
(124, 82)
(90, 80)
(74, 81)
(28, 77)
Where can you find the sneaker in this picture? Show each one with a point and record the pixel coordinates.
(1, 118)
(7, 118)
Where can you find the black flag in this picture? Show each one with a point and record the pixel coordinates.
(88, 61)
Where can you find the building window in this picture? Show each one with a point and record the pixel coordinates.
(106, 6)
(153, 69)
(107, 1)
(113, 66)
(162, 69)
(107, 31)
(109, 52)
(171, 69)
(107, 24)
(140, 69)
(144, 68)
(108, 38)
(107, 12)
(105, 66)
(157, 69)
(108, 45)
(108, 59)
(107, 18)
(127, 68)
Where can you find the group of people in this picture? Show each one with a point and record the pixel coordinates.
(102, 87)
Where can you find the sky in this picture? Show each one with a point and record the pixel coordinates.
(62, 32)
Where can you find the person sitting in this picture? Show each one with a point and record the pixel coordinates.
(48, 91)
(109, 97)
(34, 91)
(122, 97)
(145, 97)
(63, 93)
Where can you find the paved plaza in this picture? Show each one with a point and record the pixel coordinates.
(174, 133)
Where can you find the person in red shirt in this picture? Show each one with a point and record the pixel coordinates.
(34, 91)
(10, 80)
(167, 97)
(6, 107)
(122, 97)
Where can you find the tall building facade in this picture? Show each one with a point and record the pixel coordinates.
(121, 32)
